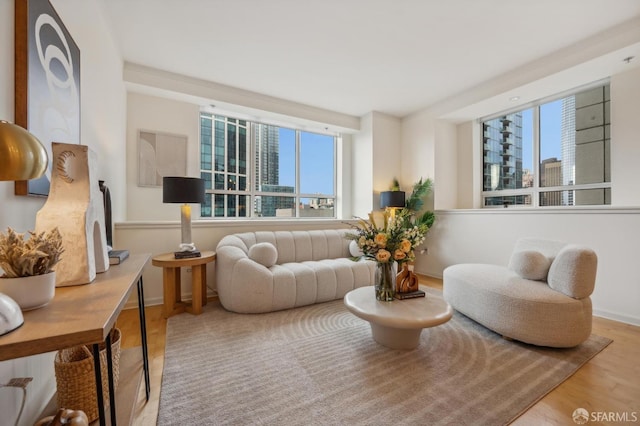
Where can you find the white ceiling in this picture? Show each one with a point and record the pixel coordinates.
(356, 56)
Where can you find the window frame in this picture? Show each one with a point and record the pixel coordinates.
(251, 172)
(535, 191)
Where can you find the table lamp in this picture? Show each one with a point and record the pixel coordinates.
(183, 190)
(392, 200)
(22, 157)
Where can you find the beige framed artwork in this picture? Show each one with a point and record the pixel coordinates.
(160, 154)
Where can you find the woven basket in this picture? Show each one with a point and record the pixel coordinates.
(75, 376)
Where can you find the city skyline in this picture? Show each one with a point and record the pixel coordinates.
(573, 146)
(227, 147)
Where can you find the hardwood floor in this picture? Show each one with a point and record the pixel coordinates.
(610, 382)
(146, 412)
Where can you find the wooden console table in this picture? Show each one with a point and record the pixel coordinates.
(84, 315)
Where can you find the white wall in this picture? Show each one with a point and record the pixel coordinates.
(418, 152)
(429, 148)
(362, 168)
(469, 166)
(625, 138)
(344, 183)
(102, 129)
(446, 152)
(488, 236)
(239, 102)
(146, 112)
(387, 155)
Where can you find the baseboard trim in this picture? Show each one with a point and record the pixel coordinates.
(617, 317)
(154, 301)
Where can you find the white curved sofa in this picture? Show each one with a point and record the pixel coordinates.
(269, 271)
(541, 297)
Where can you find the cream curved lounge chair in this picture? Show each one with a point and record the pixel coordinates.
(541, 297)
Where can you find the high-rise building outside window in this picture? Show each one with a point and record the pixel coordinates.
(554, 153)
(261, 170)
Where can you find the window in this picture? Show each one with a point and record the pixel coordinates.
(260, 170)
(555, 153)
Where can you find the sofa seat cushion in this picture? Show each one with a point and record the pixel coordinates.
(293, 284)
(525, 310)
(322, 280)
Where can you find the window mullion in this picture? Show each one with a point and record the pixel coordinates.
(297, 188)
(536, 157)
(335, 177)
(252, 175)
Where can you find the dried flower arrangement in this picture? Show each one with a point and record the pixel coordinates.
(36, 255)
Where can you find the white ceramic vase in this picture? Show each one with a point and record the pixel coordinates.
(30, 292)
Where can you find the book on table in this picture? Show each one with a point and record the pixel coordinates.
(117, 256)
(187, 254)
(410, 295)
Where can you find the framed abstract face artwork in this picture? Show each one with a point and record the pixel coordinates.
(47, 82)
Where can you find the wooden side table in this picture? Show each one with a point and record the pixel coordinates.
(172, 286)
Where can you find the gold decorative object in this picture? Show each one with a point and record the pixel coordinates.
(406, 281)
(65, 417)
(22, 156)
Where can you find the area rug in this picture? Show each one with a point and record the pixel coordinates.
(318, 365)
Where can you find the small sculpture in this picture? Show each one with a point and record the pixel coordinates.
(75, 205)
(65, 417)
(406, 281)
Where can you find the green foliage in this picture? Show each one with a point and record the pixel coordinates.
(421, 189)
(427, 218)
(409, 215)
(395, 186)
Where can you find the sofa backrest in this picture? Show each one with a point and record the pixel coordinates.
(295, 246)
(571, 269)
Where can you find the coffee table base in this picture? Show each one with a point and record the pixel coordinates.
(398, 324)
(396, 338)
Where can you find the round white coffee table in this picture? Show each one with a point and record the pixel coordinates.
(398, 324)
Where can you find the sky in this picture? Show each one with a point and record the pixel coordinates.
(316, 161)
(550, 133)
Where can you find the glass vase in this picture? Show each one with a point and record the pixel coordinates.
(385, 281)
